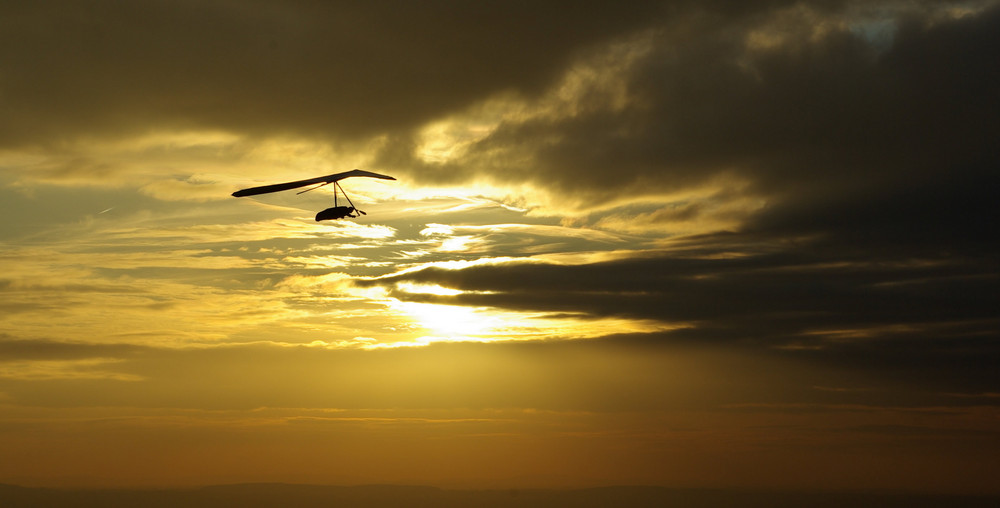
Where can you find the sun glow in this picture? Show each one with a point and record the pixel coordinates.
(450, 322)
(454, 323)
(427, 289)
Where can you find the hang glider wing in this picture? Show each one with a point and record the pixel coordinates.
(264, 189)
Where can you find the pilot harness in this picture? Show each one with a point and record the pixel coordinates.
(336, 185)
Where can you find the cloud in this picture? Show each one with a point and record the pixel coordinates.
(13, 349)
(774, 296)
(819, 111)
(259, 68)
(43, 360)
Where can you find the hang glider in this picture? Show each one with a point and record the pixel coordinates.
(337, 212)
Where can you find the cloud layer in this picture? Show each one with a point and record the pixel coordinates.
(310, 68)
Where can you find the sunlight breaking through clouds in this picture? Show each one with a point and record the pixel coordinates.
(451, 323)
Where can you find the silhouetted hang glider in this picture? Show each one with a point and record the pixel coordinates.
(337, 212)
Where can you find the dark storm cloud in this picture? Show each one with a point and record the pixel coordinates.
(877, 160)
(833, 112)
(318, 68)
(776, 298)
(951, 216)
(930, 319)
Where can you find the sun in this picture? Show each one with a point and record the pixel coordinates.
(455, 323)
(451, 322)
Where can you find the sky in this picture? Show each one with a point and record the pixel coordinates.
(676, 243)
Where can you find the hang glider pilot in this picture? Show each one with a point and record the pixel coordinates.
(337, 212)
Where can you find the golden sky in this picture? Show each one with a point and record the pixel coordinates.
(692, 244)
